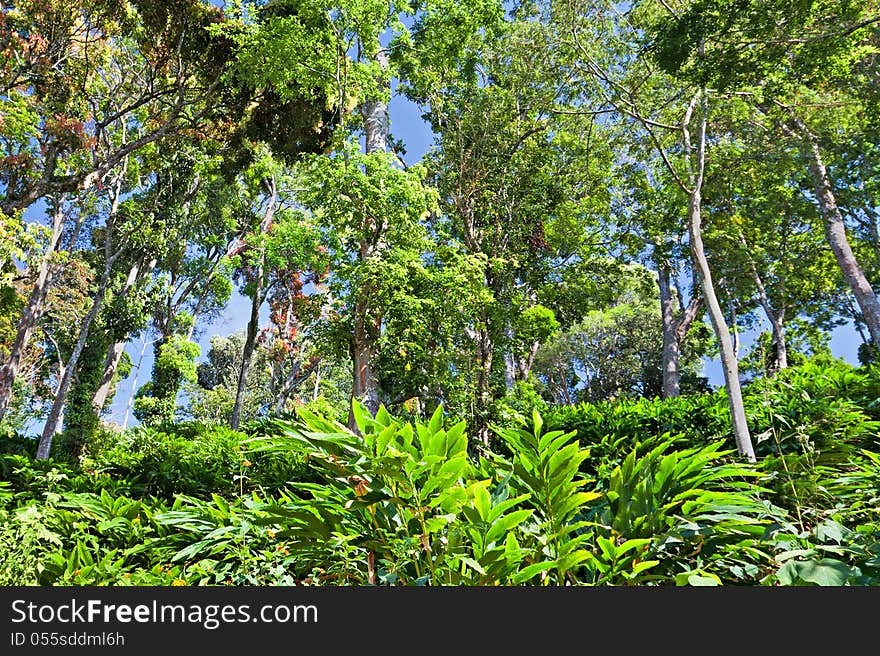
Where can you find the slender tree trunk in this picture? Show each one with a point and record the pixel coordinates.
(250, 343)
(563, 385)
(524, 365)
(365, 335)
(779, 340)
(54, 417)
(734, 329)
(55, 414)
(111, 363)
(835, 230)
(835, 233)
(137, 371)
(31, 313)
(114, 353)
(512, 367)
(287, 387)
(671, 354)
(729, 363)
(775, 317)
(254, 321)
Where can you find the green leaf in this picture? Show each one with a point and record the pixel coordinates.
(824, 572)
(482, 502)
(530, 571)
(362, 416)
(537, 421)
(505, 524)
(436, 422)
(503, 506)
(473, 564)
(638, 568)
(697, 578)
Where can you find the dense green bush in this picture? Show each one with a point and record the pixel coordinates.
(195, 459)
(633, 493)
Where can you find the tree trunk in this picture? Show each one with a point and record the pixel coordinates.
(364, 338)
(137, 371)
(31, 313)
(776, 318)
(524, 365)
(835, 234)
(250, 343)
(54, 417)
(297, 376)
(257, 300)
(114, 353)
(671, 346)
(779, 340)
(734, 329)
(365, 385)
(674, 329)
(563, 385)
(111, 363)
(375, 113)
(511, 369)
(55, 414)
(729, 363)
(485, 355)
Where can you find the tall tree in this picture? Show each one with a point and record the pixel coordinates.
(88, 86)
(615, 76)
(503, 164)
(802, 70)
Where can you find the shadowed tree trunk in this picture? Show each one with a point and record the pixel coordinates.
(33, 310)
(674, 329)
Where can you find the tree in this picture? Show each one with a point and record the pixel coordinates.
(801, 71)
(768, 236)
(77, 72)
(616, 78)
(371, 212)
(283, 249)
(86, 87)
(510, 196)
(123, 225)
(617, 352)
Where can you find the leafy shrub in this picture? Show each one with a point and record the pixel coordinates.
(196, 459)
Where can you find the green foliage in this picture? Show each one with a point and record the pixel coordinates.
(546, 469)
(194, 459)
(25, 542)
(484, 292)
(310, 502)
(616, 352)
(156, 401)
(699, 511)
